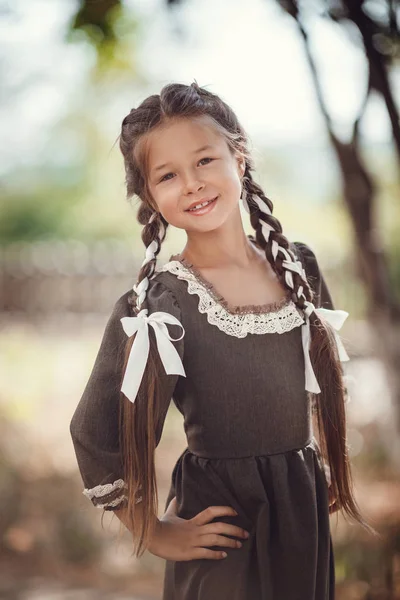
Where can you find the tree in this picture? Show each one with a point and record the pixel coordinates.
(376, 24)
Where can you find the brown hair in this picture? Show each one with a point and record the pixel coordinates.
(139, 420)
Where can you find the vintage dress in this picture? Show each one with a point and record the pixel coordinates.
(250, 445)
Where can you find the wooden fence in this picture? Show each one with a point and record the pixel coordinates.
(41, 278)
(65, 276)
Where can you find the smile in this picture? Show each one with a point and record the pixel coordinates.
(204, 208)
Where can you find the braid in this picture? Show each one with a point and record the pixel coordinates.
(153, 234)
(270, 238)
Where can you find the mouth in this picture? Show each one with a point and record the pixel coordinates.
(203, 207)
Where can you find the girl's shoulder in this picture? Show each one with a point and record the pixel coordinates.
(309, 260)
(161, 295)
(304, 253)
(315, 275)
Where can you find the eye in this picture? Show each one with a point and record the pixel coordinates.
(163, 178)
(206, 159)
(201, 160)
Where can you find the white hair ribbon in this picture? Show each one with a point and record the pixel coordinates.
(289, 278)
(263, 206)
(336, 318)
(274, 248)
(296, 267)
(140, 348)
(266, 229)
(150, 252)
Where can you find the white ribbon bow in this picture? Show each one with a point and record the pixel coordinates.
(140, 348)
(336, 318)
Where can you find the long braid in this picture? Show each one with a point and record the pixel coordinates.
(138, 416)
(153, 234)
(269, 236)
(331, 412)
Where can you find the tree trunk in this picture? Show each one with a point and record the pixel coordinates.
(359, 196)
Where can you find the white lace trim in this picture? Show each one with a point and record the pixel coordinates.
(239, 325)
(104, 490)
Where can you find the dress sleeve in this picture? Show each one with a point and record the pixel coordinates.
(94, 426)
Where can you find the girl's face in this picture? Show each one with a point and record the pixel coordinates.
(190, 162)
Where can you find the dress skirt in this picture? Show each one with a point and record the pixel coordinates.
(282, 500)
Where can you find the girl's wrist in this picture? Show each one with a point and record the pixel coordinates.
(152, 546)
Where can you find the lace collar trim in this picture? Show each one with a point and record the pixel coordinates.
(243, 309)
(274, 317)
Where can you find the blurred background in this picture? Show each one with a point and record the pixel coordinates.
(317, 86)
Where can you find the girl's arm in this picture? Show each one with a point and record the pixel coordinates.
(122, 515)
(95, 424)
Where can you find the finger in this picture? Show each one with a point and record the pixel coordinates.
(206, 553)
(213, 539)
(220, 527)
(209, 513)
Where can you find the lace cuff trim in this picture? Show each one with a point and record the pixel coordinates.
(109, 495)
(285, 317)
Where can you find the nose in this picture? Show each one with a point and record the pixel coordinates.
(191, 184)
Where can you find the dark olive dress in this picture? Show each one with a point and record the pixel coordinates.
(250, 445)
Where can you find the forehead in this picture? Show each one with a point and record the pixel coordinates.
(179, 140)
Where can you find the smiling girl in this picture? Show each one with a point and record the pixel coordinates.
(241, 333)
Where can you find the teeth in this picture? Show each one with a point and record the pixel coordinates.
(200, 205)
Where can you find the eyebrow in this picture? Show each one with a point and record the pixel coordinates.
(206, 147)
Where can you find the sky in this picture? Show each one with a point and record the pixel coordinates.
(255, 59)
(252, 57)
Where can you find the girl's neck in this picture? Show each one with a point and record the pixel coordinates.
(224, 247)
(242, 254)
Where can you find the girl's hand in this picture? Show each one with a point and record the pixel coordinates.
(188, 539)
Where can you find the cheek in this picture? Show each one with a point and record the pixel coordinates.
(231, 188)
(168, 204)
(230, 177)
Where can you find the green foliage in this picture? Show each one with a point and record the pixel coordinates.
(41, 214)
(97, 16)
(110, 29)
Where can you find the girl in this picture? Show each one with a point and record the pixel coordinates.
(241, 332)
